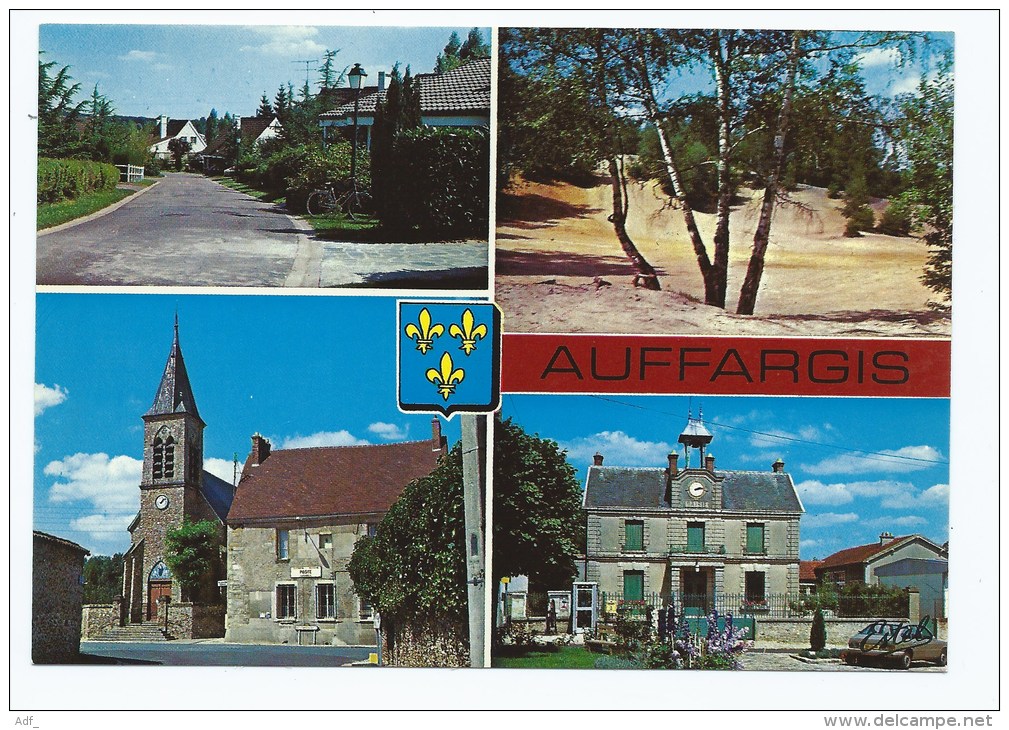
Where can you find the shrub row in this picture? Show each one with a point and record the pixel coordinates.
(67, 179)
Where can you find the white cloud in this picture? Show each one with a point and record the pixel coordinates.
(803, 544)
(936, 494)
(879, 57)
(222, 468)
(322, 438)
(46, 397)
(109, 483)
(101, 526)
(136, 55)
(618, 449)
(903, 521)
(905, 459)
(825, 519)
(815, 492)
(778, 437)
(388, 431)
(287, 40)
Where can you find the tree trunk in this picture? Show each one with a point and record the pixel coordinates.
(720, 265)
(646, 274)
(748, 293)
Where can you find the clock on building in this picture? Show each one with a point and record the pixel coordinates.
(161, 502)
(696, 489)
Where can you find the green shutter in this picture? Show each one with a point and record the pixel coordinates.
(634, 535)
(695, 537)
(634, 585)
(755, 539)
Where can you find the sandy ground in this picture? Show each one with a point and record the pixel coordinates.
(554, 239)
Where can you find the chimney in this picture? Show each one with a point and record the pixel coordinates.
(260, 449)
(778, 466)
(163, 122)
(885, 537)
(436, 444)
(673, 467)
(597, 459)
(709, 463)
(381, 80)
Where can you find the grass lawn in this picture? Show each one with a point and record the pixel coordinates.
(230, 182)
(53, 214)
(338, 227)
(546, 657)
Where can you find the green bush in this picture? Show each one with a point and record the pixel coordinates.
(67, 179)
(438, 180)
(297, 171)
(896, 219)
(818, 632)
(859, 219)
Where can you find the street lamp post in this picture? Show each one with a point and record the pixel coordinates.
(354, 76)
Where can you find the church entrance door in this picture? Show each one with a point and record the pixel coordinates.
(155, 590)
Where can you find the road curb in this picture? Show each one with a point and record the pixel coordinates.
(96, 214)
(306, 270)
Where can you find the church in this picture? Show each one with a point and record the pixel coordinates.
(703, 536)
(284, 535)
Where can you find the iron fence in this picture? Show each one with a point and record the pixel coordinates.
(777, 605)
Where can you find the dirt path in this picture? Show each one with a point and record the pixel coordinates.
(553, 240)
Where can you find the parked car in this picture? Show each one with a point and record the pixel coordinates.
(896, 642)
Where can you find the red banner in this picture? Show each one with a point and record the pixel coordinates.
(725, 365)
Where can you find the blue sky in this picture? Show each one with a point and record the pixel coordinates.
(850, 497)
(185, 70)
(303, 371)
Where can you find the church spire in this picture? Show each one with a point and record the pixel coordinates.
(175, 394)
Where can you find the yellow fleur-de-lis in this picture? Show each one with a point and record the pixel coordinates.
(468, 333)
(425, 333)
(445, 377)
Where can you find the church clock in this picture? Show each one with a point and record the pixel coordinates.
(161, 502)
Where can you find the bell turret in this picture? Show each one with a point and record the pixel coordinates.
(694, 436)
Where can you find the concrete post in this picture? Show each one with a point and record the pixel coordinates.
(120, 603)
(474, 450)
(913, 605)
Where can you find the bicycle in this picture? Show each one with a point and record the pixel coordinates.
(353, 202)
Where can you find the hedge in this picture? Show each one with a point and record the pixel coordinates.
(438, 181)
(67, 179)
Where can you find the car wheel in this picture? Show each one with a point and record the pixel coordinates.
(942, 658)
(905, 660)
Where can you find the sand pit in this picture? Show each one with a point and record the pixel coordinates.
(553, 240)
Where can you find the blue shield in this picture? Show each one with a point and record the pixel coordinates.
(449, 357)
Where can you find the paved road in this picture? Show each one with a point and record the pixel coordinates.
(190, 231)
(221, 655)
(784, 662)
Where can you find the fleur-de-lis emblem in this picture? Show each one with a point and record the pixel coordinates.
(445, 377)
(425, 333)
(468, 333)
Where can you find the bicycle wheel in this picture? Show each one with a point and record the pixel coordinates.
(320, 202)
(356, 203)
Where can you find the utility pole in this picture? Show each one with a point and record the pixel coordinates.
(474, 451)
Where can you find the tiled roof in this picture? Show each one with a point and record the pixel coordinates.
(743, 491)
(807, 569)
(218, 493)
(252, 127)
(175, 126)
(465, 89)
(175, 394)
(858, 554)
(330, 480)
(59, 541)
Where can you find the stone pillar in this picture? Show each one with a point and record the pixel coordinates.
(913, 605)
(120, 609)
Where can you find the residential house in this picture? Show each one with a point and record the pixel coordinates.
(57, 598)
(695, 532)
(173, 488)
(807, 576)
(907, 561)
(292, 527)
(169, 129)
(253, 131)
(456, 98)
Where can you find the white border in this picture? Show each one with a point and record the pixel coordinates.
(971, 683)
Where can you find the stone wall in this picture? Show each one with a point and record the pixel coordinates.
(795, 631)
(57, 598)
(193, 621)
(98, 617)
(424, 645)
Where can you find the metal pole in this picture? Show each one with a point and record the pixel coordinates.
(353, 141)
(474, 449)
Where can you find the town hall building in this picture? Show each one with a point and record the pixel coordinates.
(698, 534)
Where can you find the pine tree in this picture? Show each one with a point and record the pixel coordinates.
(449, 59)
(265, 110)
(211, 129)
(282, 104)
(474, 46)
